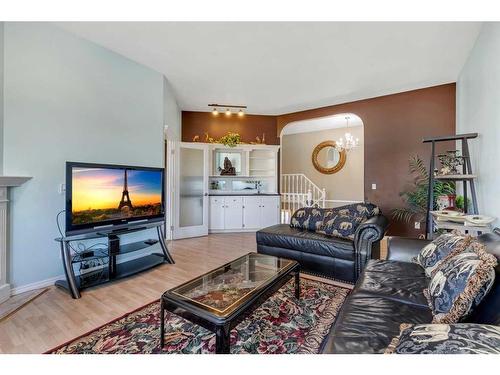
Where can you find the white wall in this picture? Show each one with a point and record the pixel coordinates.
(68, 99)
(171, 112)
(478, 110)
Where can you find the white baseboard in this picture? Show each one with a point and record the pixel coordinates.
(214, 231)
(36, 285)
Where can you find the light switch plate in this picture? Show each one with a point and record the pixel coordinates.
(62, 188)
(417, 224)
(374, 186)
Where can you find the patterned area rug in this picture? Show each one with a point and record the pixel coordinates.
(280, 325)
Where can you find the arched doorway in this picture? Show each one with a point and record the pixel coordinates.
(301, 183)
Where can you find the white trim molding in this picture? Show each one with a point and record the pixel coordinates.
(5, 183)
(36, 285)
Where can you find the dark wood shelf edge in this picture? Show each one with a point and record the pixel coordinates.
(455, 137)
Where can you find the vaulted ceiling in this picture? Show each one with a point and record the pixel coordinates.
(277, 67)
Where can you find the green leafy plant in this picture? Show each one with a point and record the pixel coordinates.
(230, 139)
(459, 202)
(415, 195)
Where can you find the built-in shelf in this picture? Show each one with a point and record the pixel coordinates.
(440, 224)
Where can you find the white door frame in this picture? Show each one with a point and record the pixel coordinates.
(196, 230)
(169, 188)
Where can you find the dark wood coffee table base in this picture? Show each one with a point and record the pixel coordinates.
(222, 326)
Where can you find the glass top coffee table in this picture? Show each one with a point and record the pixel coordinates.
(220, 299)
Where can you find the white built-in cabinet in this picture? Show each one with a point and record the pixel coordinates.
(243, 213)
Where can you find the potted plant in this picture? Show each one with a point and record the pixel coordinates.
(415, 195)
(230, 139)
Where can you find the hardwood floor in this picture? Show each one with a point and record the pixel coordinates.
(54, 317)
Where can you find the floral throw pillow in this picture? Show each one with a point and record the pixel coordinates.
(344, 221)
(433, 255)
(460, 338)
(460, 284)
(308, 218)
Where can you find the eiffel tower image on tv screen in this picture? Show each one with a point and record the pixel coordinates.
(103, 194)
(125, 201)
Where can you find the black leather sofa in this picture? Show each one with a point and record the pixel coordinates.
(390, 292)
(324, 255)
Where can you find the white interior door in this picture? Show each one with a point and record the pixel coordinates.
(192, 190)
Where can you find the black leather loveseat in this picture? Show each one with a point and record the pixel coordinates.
(320, 254)
(390, 292)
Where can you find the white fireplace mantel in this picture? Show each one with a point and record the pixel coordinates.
(6, 182)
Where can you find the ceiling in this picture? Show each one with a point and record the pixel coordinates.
(322, 123)
(281, 67)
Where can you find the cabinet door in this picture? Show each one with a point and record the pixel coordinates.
(251, 212)
(216, 213)
(270, 211)
(233, 213)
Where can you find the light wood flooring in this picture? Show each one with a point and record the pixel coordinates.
(54, 317)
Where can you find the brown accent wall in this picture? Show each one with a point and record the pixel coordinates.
(248, 126)
(394, 128)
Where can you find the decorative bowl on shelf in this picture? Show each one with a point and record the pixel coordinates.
(479, 220)
(448, 215)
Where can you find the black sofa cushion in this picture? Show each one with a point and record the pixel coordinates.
(368, 322)
(320, 265)
(404, 282)
(387, 294)
(283, 236)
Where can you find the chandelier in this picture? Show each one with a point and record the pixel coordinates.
(348, 142)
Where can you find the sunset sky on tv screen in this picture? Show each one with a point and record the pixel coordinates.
(102, 188)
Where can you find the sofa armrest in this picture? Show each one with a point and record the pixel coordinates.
(404, 249)
(368, 233)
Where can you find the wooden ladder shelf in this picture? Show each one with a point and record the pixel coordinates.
(467, 176)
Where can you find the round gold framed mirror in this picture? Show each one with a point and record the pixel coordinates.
(327, 159)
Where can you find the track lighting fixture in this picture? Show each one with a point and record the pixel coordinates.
(228, 107)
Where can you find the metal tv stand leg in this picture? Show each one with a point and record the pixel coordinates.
(163, 246)
(68, 270)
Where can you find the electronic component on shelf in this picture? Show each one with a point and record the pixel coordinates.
(87, 254)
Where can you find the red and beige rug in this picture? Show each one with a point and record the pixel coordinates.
(280, 325)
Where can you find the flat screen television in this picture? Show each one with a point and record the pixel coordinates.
(105, 197)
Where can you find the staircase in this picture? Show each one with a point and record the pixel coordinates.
(298, 191)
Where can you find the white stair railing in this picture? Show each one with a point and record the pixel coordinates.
(298, 191)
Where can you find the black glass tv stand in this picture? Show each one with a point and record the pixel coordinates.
(111, 269)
